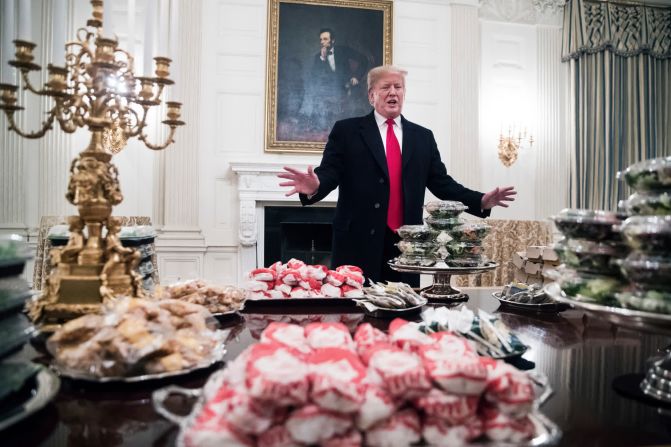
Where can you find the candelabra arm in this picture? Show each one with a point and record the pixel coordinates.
(158, 147)
(141, 123)
(46, 125)
(28, 86)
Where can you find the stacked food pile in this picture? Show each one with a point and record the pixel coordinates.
(295, 279)
(15, 329)
(447, 237)
(590, 251)
(217, 299)
(319, 386)
(531, 263)
(648, 233)
(134, 337)
(257, 323)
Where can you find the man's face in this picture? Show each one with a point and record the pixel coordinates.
(387, 95)
(325, 40)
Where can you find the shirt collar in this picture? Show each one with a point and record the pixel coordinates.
(380, 120)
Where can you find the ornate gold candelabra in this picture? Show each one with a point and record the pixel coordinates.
(96, 89)
(509, 145)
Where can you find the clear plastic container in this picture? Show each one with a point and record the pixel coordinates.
(649, 204)
(590, 256)
(410, 248)
(423, 261)
(648, 234)
(441, 224)
(646, 300)
(647, 271)
(589, 287)
(588, 224)
(463, 249)
(649, 175)
(417, 233)
(470, 232)
(443, 209)
(13, 249)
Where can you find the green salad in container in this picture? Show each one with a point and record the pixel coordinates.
(649, 175)
(649, 204)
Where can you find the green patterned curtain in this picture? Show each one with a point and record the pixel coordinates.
(619, 57)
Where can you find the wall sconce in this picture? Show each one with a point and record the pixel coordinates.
(509, 145)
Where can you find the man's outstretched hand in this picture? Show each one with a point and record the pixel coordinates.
(498, 197)
(302, 182)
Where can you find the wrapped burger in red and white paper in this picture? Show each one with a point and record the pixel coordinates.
(438, 432)
(509, 389)
(407, 336)
(209, 429)
(290, 335)
(336, 376)
(277, 374)
(352, 438)
(451, 408)
(377, 406)
(311, 424)
(366, 336)
(236, 407)
(402, 429)
(465, 374)
(402, 372)
(329, 335)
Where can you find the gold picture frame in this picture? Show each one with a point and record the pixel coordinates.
(309, 88)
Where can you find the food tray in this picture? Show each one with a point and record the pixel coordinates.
(618, 315)
(46, 385)
(389, 313)
(216, 357)
(441, 267)
(546, 431)
(528, 307)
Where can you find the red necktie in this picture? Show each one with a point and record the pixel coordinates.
(395, 210)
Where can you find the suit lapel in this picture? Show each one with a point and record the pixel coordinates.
(371, 136)
(408, 141)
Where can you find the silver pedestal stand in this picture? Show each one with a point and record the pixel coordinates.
(441, 290)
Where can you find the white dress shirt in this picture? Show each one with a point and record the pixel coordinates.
(382, 127)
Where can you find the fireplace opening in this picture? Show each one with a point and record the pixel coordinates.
(301, 233)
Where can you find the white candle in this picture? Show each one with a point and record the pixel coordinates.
(108, 18)
(174, 38)
(59, 34)
(8, 35)
(25, 21)
(149, 32)
(163, 19)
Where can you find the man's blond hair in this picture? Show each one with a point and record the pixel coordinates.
(376, 73)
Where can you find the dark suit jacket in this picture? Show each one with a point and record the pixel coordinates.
(348, 64)
(354, 160)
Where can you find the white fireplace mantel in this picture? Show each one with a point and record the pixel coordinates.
(258, 185)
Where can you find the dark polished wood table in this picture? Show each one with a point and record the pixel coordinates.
(585, 359)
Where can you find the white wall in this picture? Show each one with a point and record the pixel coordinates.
(458, 62)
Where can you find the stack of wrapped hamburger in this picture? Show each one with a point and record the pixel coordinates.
(648, 233)
(447, 238)
(319, 386)
(295, 279)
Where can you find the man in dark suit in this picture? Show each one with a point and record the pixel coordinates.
(338, 73)
(382, 164)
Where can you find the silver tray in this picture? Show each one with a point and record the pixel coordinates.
(529, 307)
(217, 357)
(382, 312)
(307, 300)
(546, 431)
(441, 267)
(47, 385)
(625, 317)
(230, 312)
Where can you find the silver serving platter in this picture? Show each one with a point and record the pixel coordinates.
(307, 300)
(383, 312)
(553, 307)
(441, 267)
(626, 317)
(47, 385)
(546, 432)
(216, 357)
(230, 312)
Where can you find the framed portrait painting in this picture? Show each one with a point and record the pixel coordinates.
(319, 55)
